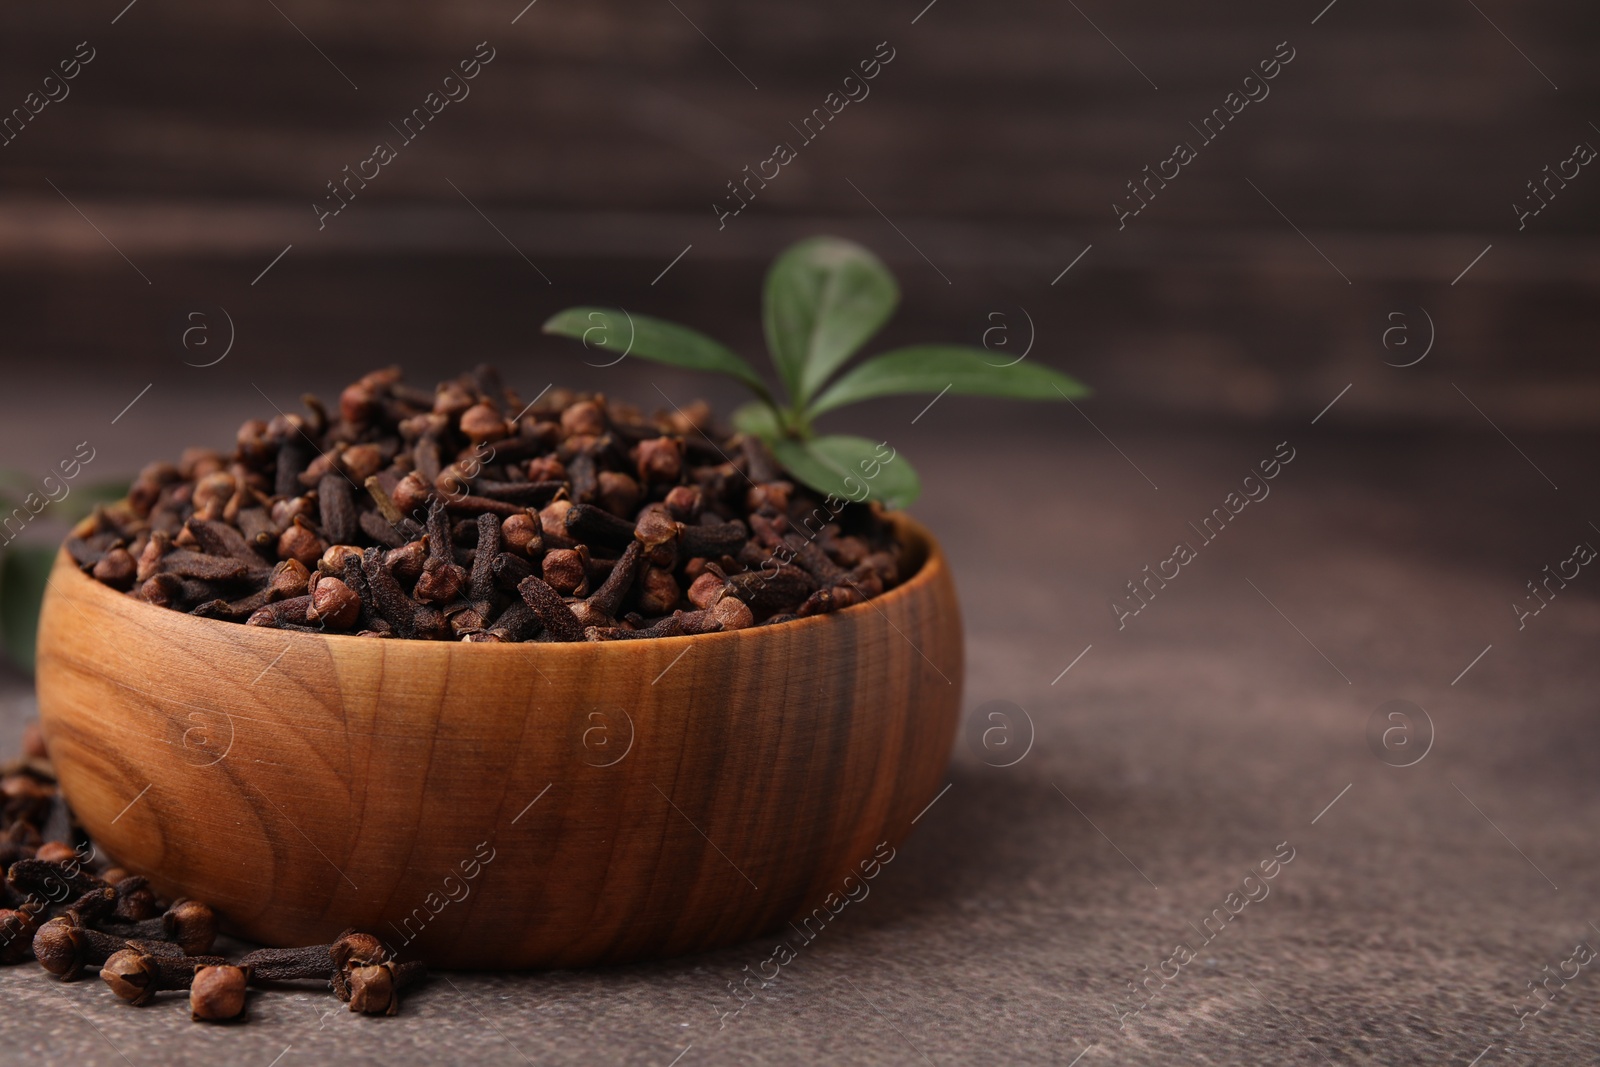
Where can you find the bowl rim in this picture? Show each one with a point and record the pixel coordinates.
(911, 533)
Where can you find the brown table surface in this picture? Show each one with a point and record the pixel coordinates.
(1174, 755)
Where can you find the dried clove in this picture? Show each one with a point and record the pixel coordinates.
(219, 539)
(552, 612)
(425, 515)
(566, 570)
(788, 585)
(516, 623)
(442, 578)
(17, 929)
(375, 988)
(607, 600)
(522, 494)
(54, 851)
(814, 560)
(732, 613)
(289, 964)
(189, 924)
(116, 568)
(284, 613)
(588, 523)
(484, 555)
(658, 591)
(137, 975)
(523, 534)
(134, 899)
(93, 906)
(333, 603)
(51, 880)
(389, 600)
(217, 992)
(721, 539)
(337, 508)
(350, 950)
(64, 948)
(509, 570)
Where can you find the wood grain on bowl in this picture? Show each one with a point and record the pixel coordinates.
(492, 805)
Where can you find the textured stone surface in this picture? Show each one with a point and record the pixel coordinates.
(1190, 745)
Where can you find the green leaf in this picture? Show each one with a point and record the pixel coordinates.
(758, 419)
(824, 298)
(23, 571)
(935, 368)
(853, 468)
(627, 334)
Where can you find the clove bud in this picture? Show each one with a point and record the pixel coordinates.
(333, 603)
(375, 989)
(192, 925)
(56, 852)
(301, 543)
(217, 993)
(136, 975)
(17, 929)
(523, 534)
(135, 900)
(567, 570)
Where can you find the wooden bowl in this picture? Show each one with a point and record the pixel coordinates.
(479, 805)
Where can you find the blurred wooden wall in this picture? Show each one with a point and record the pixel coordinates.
(995, 142)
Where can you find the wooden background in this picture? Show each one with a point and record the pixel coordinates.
(996, 141)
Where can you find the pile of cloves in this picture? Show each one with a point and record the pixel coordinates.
(71, 912)
(463, 514)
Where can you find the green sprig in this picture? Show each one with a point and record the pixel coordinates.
(824, 298)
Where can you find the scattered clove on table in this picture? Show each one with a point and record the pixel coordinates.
(68, 909)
